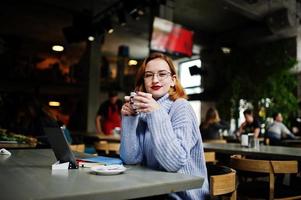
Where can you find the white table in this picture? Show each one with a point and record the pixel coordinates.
(27, 174)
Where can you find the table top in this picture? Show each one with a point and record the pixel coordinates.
(27, 174)
(277, 152)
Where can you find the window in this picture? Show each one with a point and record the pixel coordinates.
(191, 83)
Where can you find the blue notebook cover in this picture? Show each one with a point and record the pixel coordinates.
(103, 160)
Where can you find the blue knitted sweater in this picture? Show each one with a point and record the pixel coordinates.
(166, 139)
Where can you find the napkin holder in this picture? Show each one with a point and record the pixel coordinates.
(66, 165)
(247, 140)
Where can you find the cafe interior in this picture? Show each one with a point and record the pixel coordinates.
(230, 55)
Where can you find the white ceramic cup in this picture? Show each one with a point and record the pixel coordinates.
(244, 140)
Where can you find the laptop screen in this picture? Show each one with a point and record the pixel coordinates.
(60, 146)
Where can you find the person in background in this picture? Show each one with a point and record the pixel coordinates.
(212, 125)
(250, 125)
(278, 131)
(108, 116)
(164, 135)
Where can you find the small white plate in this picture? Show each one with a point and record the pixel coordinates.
(108, 169)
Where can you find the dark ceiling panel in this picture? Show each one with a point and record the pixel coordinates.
(42, 21)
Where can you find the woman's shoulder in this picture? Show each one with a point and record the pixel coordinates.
(180, 103)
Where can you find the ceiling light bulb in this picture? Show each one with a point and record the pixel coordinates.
(111, 30)
(54, 103)
(91, 38)
(132, 62)
(58, 48)
(226, 50)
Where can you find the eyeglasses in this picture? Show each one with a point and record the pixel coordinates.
(161, 75)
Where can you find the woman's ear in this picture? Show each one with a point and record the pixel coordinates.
(173, 78)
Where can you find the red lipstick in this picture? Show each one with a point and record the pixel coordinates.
(156, 87)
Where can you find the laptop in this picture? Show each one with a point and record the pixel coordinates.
(63, 153)
(60, 146)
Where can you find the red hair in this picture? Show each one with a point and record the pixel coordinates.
(174, 92)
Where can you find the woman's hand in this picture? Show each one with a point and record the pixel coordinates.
(144, 102)
(127, 109)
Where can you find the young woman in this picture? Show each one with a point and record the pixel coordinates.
(162, 132)
(211, 126)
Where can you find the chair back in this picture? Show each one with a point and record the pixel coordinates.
(210, 156)
(114, 146)
(271, 167)
(217, 141)
(264, 166)
(102, 146)
(107, 146)
(78, 147)
(222, 182)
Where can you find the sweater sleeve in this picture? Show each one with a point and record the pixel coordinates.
(130, 148)
(286, 131)
(172, 135)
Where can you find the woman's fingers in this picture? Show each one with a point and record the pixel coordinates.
(127, 109)
(142, 102)
(140, 105)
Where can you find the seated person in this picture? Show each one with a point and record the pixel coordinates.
(278, 131)
(211, 126)
(250, 125)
